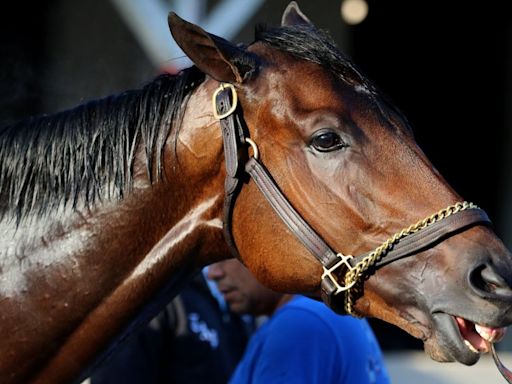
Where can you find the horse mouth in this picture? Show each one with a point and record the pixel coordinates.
(463, 340)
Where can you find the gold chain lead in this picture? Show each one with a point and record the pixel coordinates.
(355, 274)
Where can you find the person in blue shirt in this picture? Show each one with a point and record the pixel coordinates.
(302, 340)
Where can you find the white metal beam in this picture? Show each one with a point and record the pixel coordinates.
(230, 16)
(148, 21)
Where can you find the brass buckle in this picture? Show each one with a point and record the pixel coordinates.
(234, 98)
(328, 273)
(255, 152)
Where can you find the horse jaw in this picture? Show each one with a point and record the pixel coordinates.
(455, 317)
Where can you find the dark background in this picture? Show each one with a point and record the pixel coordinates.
(446, 68)
(445, 64)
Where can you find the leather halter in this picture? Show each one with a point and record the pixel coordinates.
(419, 237)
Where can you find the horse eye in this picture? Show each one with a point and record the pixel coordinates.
(327, 141)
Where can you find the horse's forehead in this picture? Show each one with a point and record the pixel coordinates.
(307, 85)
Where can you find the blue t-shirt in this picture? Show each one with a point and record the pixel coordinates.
(306, 342)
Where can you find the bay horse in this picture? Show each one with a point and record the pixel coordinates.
(280, 152)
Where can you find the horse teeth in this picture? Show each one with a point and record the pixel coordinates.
(483, 332)
(489, 334)
(470, 346)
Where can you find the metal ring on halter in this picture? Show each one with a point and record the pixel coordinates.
(328, 273)
(255, 152)
(234, 101)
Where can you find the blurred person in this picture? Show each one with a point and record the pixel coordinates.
(303, 341)
(195, 339)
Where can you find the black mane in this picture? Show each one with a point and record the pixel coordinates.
(315, 45)
(86, 154)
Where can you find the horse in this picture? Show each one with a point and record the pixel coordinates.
(279, 152)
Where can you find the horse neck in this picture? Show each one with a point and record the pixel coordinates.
(181, 236)
(106, 262)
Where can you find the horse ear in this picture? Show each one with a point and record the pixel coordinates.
(213, 55)
(292, 15)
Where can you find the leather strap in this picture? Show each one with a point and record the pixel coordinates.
(297, 225)
(233, 138)
(411, 245)
(431, 235)
(408, 246)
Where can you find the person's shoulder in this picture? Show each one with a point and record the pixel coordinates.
(306, 312)
(300, 331)
(301, 312)
(308, 307)
(305, 303)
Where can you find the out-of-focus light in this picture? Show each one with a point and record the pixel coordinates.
(354, 11)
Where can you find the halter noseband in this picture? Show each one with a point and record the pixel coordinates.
(422, 235)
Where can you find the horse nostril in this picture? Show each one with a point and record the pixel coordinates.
(486, 280)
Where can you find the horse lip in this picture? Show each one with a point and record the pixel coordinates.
(450, 340)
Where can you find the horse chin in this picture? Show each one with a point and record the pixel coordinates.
(447, 343)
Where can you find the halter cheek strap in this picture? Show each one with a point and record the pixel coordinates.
(224, 107)
(424, 234)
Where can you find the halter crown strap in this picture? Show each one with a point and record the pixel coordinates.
(409, 241)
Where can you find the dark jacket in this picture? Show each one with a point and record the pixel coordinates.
(192, 341)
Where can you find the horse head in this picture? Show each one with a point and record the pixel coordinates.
(346, 160)
(281, 152)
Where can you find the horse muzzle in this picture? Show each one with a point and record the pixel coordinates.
(459, 339)
(473, 314)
